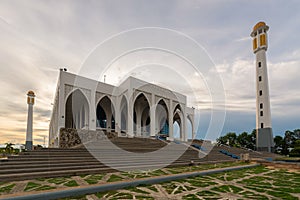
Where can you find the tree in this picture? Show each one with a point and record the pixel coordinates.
(295, 152)
(296, 134)
(242, 139)
(9, 149)
(228, 139)
(278, 142)
(251, 140)
(288, 141)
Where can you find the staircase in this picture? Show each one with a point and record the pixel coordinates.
(108, 155)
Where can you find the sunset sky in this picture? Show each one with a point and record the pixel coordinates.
(39, 37)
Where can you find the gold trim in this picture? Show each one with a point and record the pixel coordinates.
(258, 25)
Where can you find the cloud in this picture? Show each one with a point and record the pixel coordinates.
(39, 37)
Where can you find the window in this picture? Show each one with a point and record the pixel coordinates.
(259, 78)
(262, 39)
(261, 125)
(254, 44)
(259, 64)
(261, 106)
(261, 113)
(260, 92)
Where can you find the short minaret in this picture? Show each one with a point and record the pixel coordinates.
(264, 134)
(30, 102)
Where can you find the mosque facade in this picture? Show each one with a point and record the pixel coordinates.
(134, 108)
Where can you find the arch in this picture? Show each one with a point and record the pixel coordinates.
(177, 129)
(141, 113)
(177, 107)
(80, 90)
(162, 118)
(162, 99)
(77, 110)
(124, 114)
(143, 94)
(178, 118)
(189, 128)
(105, 112)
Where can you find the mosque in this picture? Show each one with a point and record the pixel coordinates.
(135, 108)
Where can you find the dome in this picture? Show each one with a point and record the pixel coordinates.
(258, 25)
(30, 93)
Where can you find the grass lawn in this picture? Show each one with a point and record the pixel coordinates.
(253, 183)
(258, 183)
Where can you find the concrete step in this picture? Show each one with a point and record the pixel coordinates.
(72, 172)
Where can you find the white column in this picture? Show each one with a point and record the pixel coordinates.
(170, 120)
(118, 116)
(138, 122)
(152, 116)
(193, 127)
(92, 119)
(130, 119)
(183, 121)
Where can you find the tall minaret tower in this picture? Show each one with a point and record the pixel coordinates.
(30, 102)
(264, 135)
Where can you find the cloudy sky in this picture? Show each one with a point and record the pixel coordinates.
(39, 37)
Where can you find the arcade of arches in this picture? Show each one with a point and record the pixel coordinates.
(168, 123)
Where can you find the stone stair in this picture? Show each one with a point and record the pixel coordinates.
(115, 154)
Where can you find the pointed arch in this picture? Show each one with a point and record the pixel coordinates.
(178, 121)
(105, 112)
(77, 110)
(162, 116)
(141, 113)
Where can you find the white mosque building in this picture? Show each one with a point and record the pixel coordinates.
(135, 108)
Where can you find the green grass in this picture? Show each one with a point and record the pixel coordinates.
(206, 193)
(58, 180)
(137, 190)
(227, 189)
(171, 186)
(71, 184)
(40, 179)
(44, 187)
(150, 187)
(122, 195)
(114, 178)
(83, 175)
(7, 188)
(31, 185)
(279, 184)
(93, 179)
(282, 195)
(105, 195)
(144, 197)
(157, 173)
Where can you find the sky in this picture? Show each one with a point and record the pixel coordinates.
(39, 37)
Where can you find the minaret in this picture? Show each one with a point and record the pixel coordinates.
(30, 102)
(264, 135)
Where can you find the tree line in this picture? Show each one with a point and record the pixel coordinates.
(287, 145)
